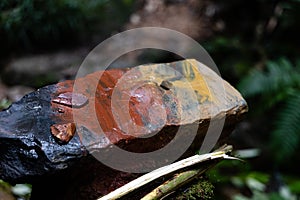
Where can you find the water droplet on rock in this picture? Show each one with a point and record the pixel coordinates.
(75, 100)
(63, 132)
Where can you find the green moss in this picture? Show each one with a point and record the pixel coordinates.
(199, 189)
(4, 103)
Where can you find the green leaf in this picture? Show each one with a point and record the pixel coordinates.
(286, 136)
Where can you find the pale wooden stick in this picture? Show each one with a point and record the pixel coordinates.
(173, 184)
(143, 180)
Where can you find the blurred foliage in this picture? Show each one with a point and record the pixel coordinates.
(286, 136)
(258, 190)
(247, 183)
(18, 191)
(4, 103)
(258, 51)
(278, 83)
(26, 24)
(253, 33)
(22, 191)
(34, 21)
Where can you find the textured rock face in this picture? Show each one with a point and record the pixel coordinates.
(57, 126)
(26, 144)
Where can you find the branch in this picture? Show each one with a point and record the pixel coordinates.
(172, 168)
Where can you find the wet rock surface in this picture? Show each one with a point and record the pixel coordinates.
(158, 104)
(28, 151)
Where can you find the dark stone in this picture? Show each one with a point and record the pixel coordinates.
(59, 164)
(27, 148)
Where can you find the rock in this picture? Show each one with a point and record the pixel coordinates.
(57, 132)
(24, 129)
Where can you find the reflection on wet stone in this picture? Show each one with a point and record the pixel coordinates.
(71, 99)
